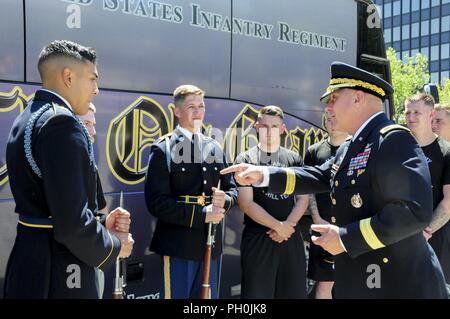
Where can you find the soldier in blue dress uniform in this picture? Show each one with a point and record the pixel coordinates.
(52, 175)
(181, 191)
(380, 193)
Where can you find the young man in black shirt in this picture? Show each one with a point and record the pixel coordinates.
(321, 262)
(272, 250)
(441, 121)
(419, 113)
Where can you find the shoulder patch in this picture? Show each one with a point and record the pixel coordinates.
(393, 127)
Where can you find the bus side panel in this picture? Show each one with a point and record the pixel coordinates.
(291, 69)
(11, 41)
(8, 223)
(137, 52)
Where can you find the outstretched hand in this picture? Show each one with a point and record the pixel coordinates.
(245, 174)
(329, 239)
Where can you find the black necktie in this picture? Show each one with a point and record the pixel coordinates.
(196, 148)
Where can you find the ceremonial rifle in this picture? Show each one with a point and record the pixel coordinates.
(205, 292)
(120, 279)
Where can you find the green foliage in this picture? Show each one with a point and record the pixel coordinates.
(444, 93)
(407, 79)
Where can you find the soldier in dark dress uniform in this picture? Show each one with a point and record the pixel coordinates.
(181, 191)
(53, 180)
(380, 192)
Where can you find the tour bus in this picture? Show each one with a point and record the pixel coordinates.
(244, 54)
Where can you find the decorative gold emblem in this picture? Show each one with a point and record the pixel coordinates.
(360, 171)
(356, 201)
(201, 200)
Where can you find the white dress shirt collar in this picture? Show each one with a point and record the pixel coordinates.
(63, 99)
(364, 125)
(185, 132)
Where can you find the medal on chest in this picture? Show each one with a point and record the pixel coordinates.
(356, 201)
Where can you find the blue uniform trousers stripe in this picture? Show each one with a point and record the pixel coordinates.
(185, 278)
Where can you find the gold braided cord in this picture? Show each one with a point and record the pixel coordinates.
(363, 84)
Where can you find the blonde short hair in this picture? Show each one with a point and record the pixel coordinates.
(442, 107)
(426, 98)
(183, 91)
(271, 110)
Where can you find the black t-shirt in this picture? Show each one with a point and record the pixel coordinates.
(438, 158)
(318, 154)
(277, 205)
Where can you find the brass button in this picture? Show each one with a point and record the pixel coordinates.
(353, 182)
(385, 260)
(333, 201)
(215, 168)
(333, 219)
(183, 169)
(204, 182)
(336, 183)
(204, 169)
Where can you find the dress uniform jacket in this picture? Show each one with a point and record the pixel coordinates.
(59, 240)
(382, 200)
(181, 229)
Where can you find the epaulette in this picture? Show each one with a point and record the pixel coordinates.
(162, 138)
(393, 127)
